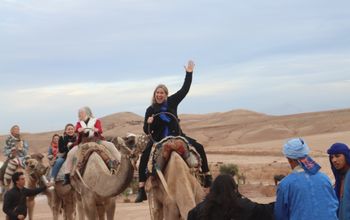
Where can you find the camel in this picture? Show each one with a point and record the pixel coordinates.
(98, 187)
(177, 194)
(33, 171)
(182, 191)
(62, 198)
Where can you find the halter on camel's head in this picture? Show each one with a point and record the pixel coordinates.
(130, 145)
(35, 166)
(136, 142)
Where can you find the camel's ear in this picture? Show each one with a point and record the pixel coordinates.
(46, 169)
(40, 156)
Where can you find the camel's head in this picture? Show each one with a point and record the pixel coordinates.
(136, 142)
(35, 165)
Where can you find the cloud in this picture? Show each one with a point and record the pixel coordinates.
(60, 55)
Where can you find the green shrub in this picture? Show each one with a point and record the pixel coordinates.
(230, 169)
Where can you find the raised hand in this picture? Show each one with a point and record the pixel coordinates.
(190, 66)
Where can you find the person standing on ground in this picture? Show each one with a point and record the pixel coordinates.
(15, 200)
(339, 157)
(306, 193)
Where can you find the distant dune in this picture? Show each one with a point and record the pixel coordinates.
(251, 140)
(229, 131)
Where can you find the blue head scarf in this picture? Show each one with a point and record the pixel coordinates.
(338, 148)
(297, 149)
(165, 118)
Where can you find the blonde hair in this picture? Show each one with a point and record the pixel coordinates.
(160, 86)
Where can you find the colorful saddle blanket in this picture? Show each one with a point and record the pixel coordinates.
(84, 152)
(162, 150)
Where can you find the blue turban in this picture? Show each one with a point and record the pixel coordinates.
(338, 148)
(296, 148)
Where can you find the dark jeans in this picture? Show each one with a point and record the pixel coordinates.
(146, 153)
(144, 161)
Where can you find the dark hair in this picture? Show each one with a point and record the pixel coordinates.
(223, 195)
(15, 177)
(65, 127)
(53, 136)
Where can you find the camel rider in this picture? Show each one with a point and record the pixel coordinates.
(16, 150)
(89, 129)
(164, 125)
(65, 143)
(53, 148)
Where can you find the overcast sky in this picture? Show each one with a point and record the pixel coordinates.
(275, 57)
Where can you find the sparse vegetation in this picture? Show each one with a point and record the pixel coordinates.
(132, 189)
(127, 192)
(230, 169)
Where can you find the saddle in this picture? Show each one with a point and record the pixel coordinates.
(84, 152)
(162, 150)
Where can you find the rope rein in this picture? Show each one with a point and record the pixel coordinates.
(168, 113)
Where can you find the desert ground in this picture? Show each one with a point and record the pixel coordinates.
(251, 140)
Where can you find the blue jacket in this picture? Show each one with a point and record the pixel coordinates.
(301, 196)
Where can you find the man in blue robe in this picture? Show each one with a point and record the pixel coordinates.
(306, 193)
(339, 157)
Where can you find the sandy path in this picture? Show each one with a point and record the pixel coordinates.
(125, 211)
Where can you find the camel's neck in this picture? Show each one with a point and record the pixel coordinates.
(99, 179)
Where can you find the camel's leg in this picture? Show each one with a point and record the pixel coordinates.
(110, 207)
(101, 210)
(69, 205)
(80, 207)
(89, 205)
(30, 184)
(56, 206)
(155, 206)
(54, 203)
(30, 206)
